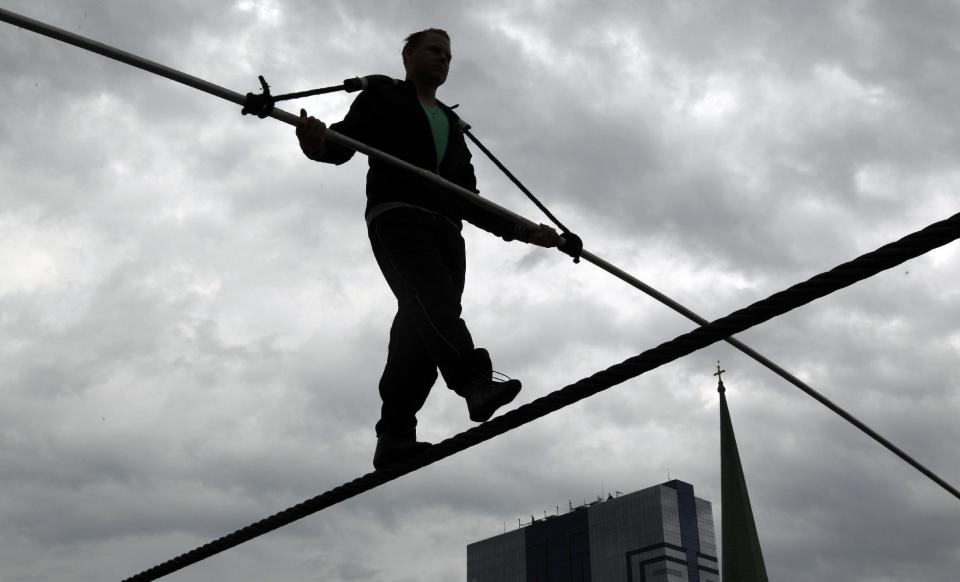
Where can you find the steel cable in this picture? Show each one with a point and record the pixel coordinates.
(210, 88)
(863, 267)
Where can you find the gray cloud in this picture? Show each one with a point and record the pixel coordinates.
(192, 326)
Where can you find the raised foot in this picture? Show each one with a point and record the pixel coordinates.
(485, 398)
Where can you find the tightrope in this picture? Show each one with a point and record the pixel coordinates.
(286, 117)
(863, 267)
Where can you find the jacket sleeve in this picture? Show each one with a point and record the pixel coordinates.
(480, 217)
(358, 124)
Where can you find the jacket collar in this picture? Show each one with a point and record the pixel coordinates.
(407, 87)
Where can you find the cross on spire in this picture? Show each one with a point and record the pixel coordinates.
(719, 376)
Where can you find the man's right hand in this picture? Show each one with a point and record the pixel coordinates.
(312, 135)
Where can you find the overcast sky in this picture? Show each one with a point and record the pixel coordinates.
(192, 325)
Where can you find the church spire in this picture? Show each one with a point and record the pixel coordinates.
(742, 559)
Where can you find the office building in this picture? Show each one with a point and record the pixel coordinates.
(659, 534)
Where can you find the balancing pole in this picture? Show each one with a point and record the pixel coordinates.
(572, 249)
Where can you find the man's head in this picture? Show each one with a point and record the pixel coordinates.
(426, 56)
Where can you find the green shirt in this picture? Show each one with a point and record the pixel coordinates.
(440, 127)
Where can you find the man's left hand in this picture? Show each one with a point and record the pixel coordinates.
(544, 237)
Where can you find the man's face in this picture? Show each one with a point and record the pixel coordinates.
(429, 62)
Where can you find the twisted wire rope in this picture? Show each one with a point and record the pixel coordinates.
(372, 480)
(863, 267)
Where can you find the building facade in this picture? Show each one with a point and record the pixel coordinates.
(659, 534)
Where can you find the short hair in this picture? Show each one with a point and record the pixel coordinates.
(414, 40)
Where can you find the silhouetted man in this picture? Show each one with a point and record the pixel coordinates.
(414, 229)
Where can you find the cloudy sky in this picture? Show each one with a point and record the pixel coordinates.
(192, 325)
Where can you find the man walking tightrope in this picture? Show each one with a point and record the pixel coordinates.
(414, 229)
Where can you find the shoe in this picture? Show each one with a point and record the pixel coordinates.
(485, 397)
(393, 448)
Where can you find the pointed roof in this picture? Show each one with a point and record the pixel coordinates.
(742, 559)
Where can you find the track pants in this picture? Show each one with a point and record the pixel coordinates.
(422, 258)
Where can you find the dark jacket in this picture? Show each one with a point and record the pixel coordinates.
(391, 119)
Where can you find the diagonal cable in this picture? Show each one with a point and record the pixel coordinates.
(770, 365)
(207, 87)
(693, 316)
(863, 267)
(516, 181)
